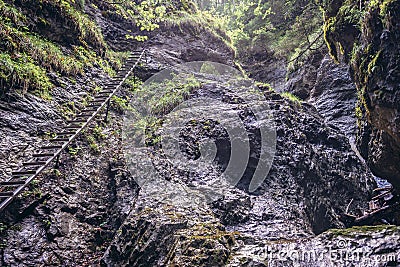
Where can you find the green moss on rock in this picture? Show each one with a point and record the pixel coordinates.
(362, 230)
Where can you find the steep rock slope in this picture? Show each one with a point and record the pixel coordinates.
(366, 35)
(72, 212)
(314, 177)
(90, 211)
(327, 86)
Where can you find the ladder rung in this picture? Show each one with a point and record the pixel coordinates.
(34, 163)
(6, 194)
(51, 147)
(98, 98)
(103, 97)
(23, 173)
(381, 195)
(59, 140)
(12, 183)
(75, 124)
(83, 115)
(66, 133)
(106, 93)
(90, 109)
(42, 155)
(77, 121)
(92, 106)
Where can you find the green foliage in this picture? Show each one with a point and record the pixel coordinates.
(26, 57)
(120, 103)
(133, 83)
(282, 28)
(46, 223)
(175, 91)
(22, 73)
(373, 64)
(359, 114)
(200, 21)
(92, 143)
(139, 38)
(347, 19)
(88, 30)
(73, 151)
(98, 132)
(68, 110)
(344, 25)
(356, 231)
(292, 98)
(146, 15)
(264, 86)
(81, 4)
(57, 172)
(11, 14)
(43, 52)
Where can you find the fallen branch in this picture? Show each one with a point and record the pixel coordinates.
(307, 48)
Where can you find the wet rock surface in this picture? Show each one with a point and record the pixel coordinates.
(358, 246)
(372, 50)
(266, 68)
(314, 177)
(328, 86)
(68, 215)
(91, 212)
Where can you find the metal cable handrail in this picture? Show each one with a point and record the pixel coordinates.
(22, 177)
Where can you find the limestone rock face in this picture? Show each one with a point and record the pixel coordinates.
(314, 177)
(329, 87)
(91, 211)
(368, 39)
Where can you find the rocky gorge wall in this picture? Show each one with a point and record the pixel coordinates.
(365, 35)
(92, 212)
